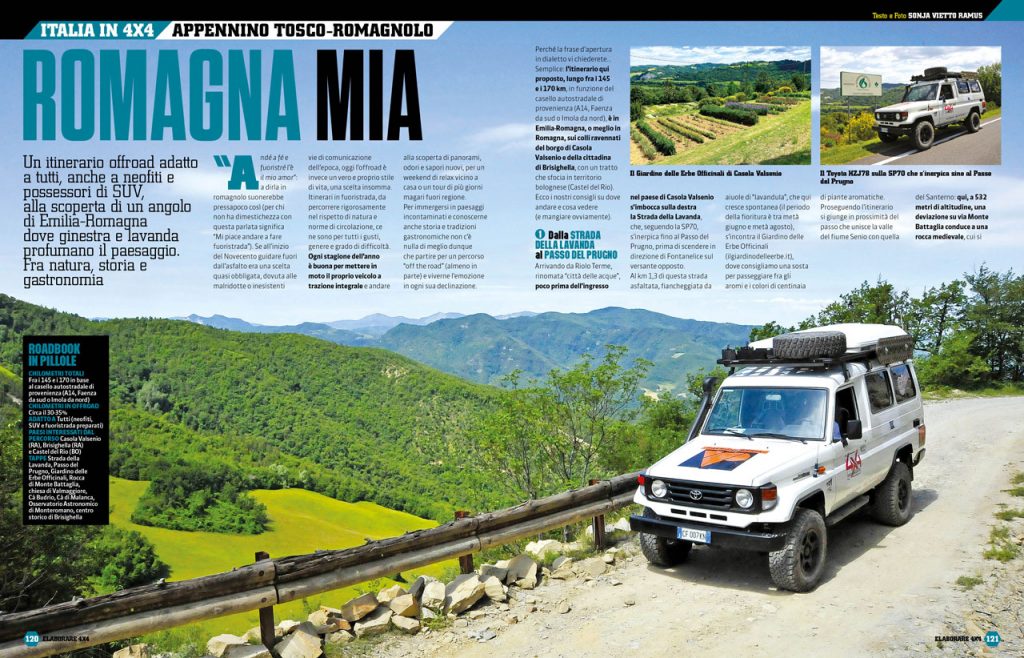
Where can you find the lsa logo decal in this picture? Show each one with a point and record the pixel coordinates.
(721, 459)
(853, 462)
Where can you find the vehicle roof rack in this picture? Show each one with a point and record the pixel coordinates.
(936, 76)
(887, 350)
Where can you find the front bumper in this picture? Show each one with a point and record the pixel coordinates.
(893, 129)
(747, 540)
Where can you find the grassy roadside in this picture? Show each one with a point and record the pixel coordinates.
(849, 152)
(949, 393)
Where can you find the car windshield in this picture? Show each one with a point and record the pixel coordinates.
(789, 413)
(920, 93)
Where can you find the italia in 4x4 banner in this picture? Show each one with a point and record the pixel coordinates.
(691, 331)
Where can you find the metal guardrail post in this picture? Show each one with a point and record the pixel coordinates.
(598, 525)
(267, 636)
(465, 561)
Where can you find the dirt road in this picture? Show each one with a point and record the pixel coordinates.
(887, 591)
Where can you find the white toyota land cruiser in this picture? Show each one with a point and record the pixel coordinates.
(808, 428)
(936, 99)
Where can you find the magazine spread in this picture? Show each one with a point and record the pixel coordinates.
(517, 337)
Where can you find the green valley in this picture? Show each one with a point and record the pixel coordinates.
(300, 522)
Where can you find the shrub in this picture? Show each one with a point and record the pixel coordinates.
(693, 128)
(660, 141)
(860, 128)
(682, 131)
(645, 144)
(734, 114)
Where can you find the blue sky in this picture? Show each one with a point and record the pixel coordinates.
(476, 89)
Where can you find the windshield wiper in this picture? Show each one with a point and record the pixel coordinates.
(735, 432)
(775, 435)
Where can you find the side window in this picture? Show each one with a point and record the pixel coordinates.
(846, 408)
(946, 93)
(902, 383)
(963, 87)
(879, 390)
(975, 86)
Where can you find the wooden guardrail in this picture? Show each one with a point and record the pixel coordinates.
(133, 612)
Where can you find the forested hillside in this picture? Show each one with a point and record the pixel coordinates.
(278, 410)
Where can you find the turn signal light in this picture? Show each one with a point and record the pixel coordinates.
(769, 496)
(640, 480)
(920, 435)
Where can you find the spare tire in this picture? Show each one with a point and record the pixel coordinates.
(809, 345)
(936, 72)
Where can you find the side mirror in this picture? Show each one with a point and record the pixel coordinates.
(709, 384)
(854, 429)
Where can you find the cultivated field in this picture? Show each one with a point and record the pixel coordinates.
(683, 134)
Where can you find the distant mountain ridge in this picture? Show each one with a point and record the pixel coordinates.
(484, 348)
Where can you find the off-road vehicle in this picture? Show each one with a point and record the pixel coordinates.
(808, 428)
(934, 100)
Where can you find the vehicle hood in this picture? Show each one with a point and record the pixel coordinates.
(905, 107)
(736, 460)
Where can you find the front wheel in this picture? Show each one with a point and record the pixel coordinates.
(799, 565)
(924, 135)
(891, 503)
(661, 551)
(888, 138)
(973, 122)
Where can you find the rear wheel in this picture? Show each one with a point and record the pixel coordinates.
(799, 565)
(661, 551)
(888, 138)
(973, 122)
(924, 135)
(891, 503)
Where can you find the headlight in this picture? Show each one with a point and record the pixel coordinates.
(744, 498)
(659, 489)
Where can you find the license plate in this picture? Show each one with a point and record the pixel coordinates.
(885, 130)
(699, 536)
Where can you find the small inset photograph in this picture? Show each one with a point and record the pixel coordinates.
(911, 105)
(729, 105)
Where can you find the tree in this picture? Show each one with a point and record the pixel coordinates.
(995, 315)
(937, 314)
(798, 82)
(592, 403)
(991, 79)
(763, 82)
(770, 329)
(125, 559)
(511, 440)
(872, 304)
(556, 434)
(955, 365)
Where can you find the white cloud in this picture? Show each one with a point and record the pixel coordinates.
(658, 55)
(506, 137)
(897, 63)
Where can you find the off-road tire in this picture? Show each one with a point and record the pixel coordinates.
(935, 71)
(973, 123)
(799, 565)
(888, 138)
(661, 551)
(809, 345)
(892, 501)
(923, 135)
